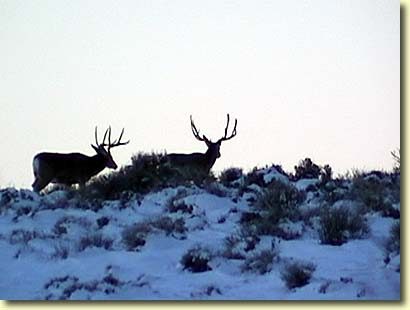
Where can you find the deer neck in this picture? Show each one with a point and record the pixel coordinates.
(97, 164)
(210, 159)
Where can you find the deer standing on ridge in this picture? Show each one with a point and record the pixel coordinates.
(74, 168)
(202, 161)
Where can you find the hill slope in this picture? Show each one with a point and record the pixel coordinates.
(260, 236)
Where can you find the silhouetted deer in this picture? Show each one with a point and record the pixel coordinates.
(203, 161)
(74, 168)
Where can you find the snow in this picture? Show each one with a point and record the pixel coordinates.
(41, 258)
(272, 173)
(303, 184)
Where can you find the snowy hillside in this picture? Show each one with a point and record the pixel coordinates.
(264, 235)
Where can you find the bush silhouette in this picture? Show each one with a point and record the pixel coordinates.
(147, 172)
(307, 170)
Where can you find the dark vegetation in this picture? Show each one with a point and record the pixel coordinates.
(276, 203)
(341, 223)
(230, 175)
(377, 191)
(196, 259)
(297, 274)
(134, 237)
(147, 172)
(341, 208)
(260, 262)
(343, 201)
(95, 240)
(65, 287)
(238, 244)
(307, 170)
(393, 242)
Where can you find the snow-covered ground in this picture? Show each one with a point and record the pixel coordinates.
(56, 247)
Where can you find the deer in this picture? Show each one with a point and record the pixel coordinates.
(202, 161)
(74, 168)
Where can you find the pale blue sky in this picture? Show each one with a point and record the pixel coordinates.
(317, 79)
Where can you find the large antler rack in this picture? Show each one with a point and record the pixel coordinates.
(110, 144)
(233, 134)
(196, 132)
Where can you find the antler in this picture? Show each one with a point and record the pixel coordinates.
(110, 144)
(233, 134)
(196, 132)
(116, 142)
(96, 138)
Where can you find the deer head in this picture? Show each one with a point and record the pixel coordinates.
(105, 153)
(214, 147)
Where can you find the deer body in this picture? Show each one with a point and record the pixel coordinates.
(202, 161)
(197, 160)
(66, 169)
(72, 168)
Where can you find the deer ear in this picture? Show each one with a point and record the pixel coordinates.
(94, 147)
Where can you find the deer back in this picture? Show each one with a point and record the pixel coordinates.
(194, 160)
(67, 168)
